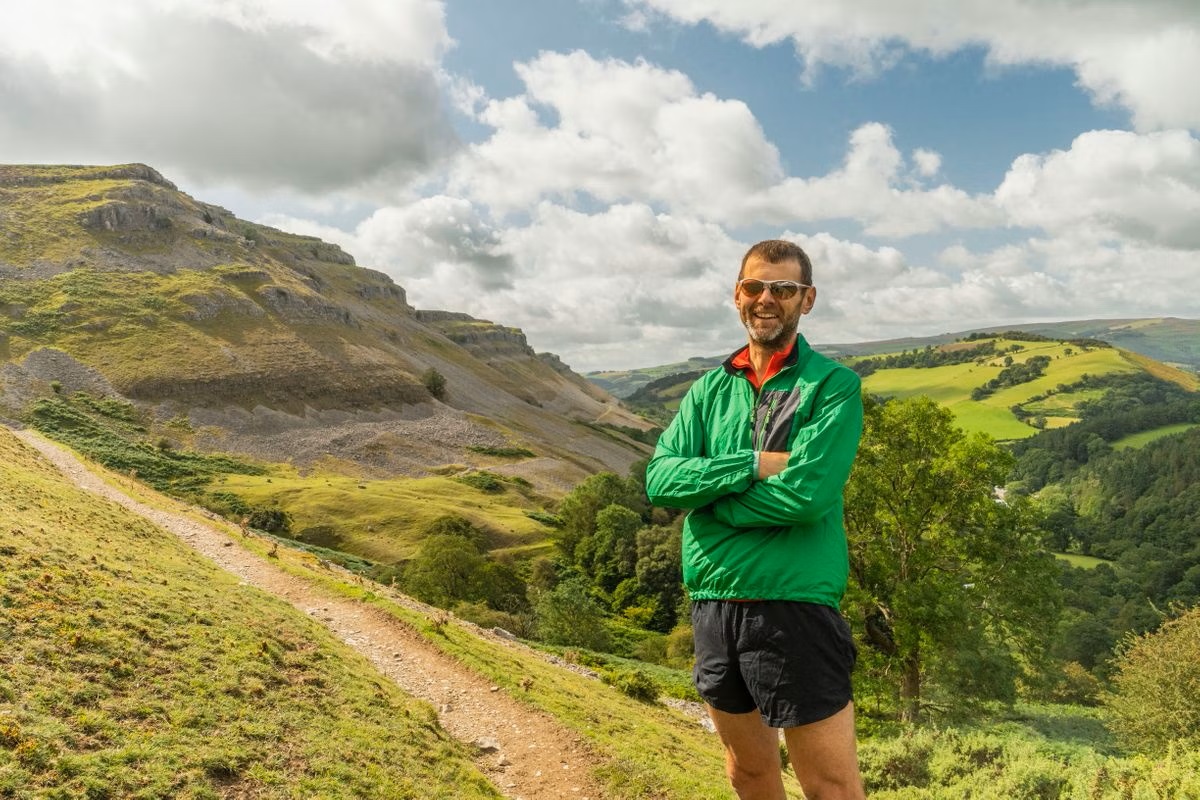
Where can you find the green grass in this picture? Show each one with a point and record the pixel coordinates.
(1143, 438)
(1031, 751)
(951, 386)
(1083, 562)
(647, 750)
(111, 433)
(130, 667)
(384, 520)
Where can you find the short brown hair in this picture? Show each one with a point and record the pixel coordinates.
(775, 251)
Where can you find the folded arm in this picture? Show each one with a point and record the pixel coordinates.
(681, 475)
(817, 469)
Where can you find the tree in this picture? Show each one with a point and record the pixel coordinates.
(579, 508)
(610, 554)
(435, 382)
(445, 570)
(1156, 698)
(944, 572)
(659, 573)
(569, 615)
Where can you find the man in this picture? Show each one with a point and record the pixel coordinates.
(760, 451)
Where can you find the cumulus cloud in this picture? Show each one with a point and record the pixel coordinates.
(267, 94)
(616, 131)
(1114, 185)
(623, 285)
(620, 131)
(1142, 54)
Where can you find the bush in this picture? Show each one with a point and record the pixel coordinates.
(1156, 691)
(635, 684)
(483, 481)
(435, 382)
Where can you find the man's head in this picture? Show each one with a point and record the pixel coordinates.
(771, 310)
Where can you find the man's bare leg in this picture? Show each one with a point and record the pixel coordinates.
(751, 755)
(825, 757)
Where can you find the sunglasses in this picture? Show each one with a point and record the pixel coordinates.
(782, 290)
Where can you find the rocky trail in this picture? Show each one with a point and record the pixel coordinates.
(525, 753)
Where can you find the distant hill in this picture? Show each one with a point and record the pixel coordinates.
(1009, 386)
(1173, 341)
(235, 337)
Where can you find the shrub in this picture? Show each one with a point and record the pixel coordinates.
(483, 481)
(435, 382)
(635, 684)
(1156, 691)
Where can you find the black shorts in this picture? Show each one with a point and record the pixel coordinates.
(791, 661)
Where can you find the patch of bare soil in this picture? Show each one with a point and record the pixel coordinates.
(525, 753)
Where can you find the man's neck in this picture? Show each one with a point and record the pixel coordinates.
(760, 355)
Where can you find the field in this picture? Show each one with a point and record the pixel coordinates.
(951, 386)
(1083, 562)
(385, 520)
(113, 687)
(1144, 438)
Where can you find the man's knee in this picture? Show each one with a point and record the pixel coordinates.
(749, 774)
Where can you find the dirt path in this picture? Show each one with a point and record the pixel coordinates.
(533, 757)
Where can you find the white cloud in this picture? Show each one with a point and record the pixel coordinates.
(1111, 185)
(928, 163)
(622, 131)
(269, 94)
(625, 132)
(625, 285)
(1142, 54)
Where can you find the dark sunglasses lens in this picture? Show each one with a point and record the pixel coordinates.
(784, 291)
(753, 288)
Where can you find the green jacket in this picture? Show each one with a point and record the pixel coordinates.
(777, 539)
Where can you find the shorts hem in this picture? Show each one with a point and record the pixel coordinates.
(807, 719)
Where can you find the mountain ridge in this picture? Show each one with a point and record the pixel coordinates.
(1177, 345)
(195, 315)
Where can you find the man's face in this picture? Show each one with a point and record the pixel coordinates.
(769, 321)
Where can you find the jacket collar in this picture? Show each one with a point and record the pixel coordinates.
(800, 348)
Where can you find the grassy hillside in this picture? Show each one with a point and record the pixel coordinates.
(952, 385)
(132, 668)
(1008, 412)
(383, 520)
(113, 281)
(1171, 341)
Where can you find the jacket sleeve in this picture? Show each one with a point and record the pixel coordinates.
(681, 475)
(821, 457)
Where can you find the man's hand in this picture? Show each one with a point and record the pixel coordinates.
(772, 462)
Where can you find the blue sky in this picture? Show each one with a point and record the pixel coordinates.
(592, 170)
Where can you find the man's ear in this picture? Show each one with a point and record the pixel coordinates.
(810, 297)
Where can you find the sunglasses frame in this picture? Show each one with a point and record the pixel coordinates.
(770, 286)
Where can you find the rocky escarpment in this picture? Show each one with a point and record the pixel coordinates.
(482, 338)
(291, 388)
(185, 310)
(18, 175)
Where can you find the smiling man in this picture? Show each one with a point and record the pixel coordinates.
(760, 451)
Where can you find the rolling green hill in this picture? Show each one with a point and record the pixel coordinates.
(1172, 341)
(955, 374)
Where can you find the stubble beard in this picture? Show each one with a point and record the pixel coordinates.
(774, 337)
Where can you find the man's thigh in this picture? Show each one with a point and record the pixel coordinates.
(824, 756)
